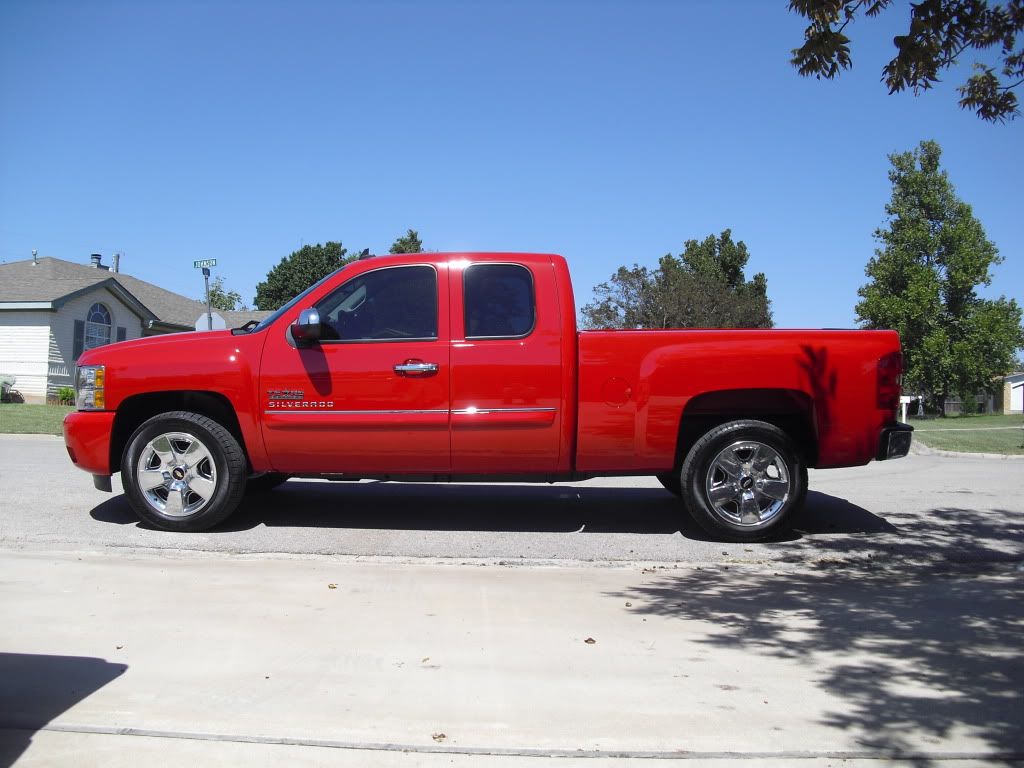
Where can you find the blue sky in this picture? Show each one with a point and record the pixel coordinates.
(609, 132)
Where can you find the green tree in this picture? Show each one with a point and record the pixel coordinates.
(934, 253)
(298, 271)
(940, 31)
(704, 287)
(221, 298)
(408, 243)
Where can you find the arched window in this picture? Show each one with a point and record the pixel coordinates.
(97, 327)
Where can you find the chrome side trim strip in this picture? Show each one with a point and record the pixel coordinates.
(301, 412)
(459, 412)
(476, 411)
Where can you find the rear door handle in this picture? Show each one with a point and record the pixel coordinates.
(415, 368)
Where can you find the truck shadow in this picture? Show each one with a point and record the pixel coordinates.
(497, 508)
(471, 507)
(36, 689)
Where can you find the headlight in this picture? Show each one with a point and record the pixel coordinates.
(89, 388)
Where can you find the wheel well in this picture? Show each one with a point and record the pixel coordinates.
(789, 410)
(135, 410)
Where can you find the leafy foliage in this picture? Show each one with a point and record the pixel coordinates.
(940, 31)
(408, 243)
(934, 254)
(704, 287)
(221, 298)
(298, 271)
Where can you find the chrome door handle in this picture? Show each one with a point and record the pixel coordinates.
(415, 368)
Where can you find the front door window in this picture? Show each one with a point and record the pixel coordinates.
(392, 304)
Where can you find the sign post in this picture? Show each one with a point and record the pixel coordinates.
(205, 265)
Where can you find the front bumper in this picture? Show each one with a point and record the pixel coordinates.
(894, 442)
(87, 437)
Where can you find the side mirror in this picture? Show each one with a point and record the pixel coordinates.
(306, 329)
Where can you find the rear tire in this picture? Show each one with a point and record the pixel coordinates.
(183, 472)
(744, 480)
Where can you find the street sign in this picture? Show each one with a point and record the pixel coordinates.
(204, 263)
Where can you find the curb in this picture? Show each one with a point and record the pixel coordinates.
(921, 449)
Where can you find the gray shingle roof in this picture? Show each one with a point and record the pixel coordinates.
(53, 279)
(238, 318)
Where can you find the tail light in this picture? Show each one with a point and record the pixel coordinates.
(890, 380)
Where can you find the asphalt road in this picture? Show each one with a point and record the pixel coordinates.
(921, 508)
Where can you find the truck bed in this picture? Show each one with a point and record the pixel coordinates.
(635, 387)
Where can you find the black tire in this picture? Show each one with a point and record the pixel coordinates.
(768, 484)
(202, 466)
(265, 482)
(672, 483)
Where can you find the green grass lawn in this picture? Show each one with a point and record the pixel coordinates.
(973, 434)
(27, 419)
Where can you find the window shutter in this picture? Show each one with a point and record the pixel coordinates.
(79, 338)
(122, 333)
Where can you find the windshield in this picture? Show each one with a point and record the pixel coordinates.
(267, 321)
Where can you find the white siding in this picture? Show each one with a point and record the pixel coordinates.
(23, 350)
(61, 342)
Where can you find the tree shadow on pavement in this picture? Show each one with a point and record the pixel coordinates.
(915, 660)
(36, 689)
(944, 534)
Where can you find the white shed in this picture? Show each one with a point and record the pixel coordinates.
(1013, 394)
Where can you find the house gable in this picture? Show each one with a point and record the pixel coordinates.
(38, 346)
(44, 304)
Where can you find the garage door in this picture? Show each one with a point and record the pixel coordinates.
(1017, 397)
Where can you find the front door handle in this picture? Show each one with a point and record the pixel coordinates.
(415, 368)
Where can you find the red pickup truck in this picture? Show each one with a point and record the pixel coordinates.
(468, 366)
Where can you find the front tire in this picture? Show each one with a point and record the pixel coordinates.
(183, 472)
(744, 480)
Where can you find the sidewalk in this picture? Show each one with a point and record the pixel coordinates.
(225, 659)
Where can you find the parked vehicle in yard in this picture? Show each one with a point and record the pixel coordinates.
(469, 366)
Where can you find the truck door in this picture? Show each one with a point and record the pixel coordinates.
(506, 368)
(372, 395)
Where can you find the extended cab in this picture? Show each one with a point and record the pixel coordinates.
(469, 367)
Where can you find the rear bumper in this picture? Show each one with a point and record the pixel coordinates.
(87, 437)
(894, 442)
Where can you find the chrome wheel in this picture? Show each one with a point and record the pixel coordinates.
(748, 483)
(176, 474)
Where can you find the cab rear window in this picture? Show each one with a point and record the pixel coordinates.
(499, 301)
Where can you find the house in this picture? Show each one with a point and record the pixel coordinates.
(1013, 393)
(52, 310)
